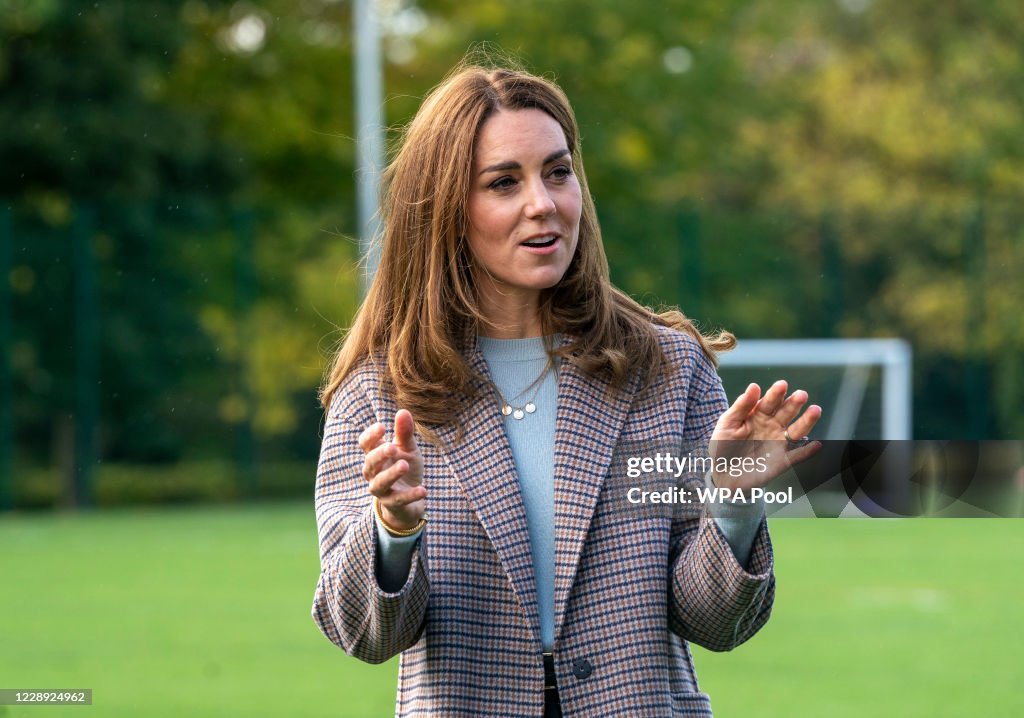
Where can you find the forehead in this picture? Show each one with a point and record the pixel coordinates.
(517, 135)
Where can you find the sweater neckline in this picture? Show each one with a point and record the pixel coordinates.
(529, 349)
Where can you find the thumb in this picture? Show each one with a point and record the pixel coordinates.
(405, 431)
(744, 404)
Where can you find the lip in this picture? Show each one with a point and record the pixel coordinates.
(542, 250)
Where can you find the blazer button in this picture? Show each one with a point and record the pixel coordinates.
(581, 668)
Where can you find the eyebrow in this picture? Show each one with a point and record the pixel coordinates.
(501, 166)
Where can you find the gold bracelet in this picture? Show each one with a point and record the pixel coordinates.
(397, 533)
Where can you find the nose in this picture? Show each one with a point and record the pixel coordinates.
(539, 203)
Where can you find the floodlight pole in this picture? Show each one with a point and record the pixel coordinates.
(369, 132)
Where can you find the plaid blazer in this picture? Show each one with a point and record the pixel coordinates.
(631, 587)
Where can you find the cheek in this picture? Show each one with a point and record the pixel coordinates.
(487, 219)
(473, 216)
(480, 249)
(572, 206)
(483, 236)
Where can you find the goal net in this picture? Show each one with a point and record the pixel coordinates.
(862, 385)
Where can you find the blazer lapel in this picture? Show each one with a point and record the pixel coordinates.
(483, 465)
(587, 427)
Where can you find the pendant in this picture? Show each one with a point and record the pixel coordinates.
(530, 407)
(506, 410)
(518, 414)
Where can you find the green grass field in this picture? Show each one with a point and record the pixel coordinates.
(205, 612)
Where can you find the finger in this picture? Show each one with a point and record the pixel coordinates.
(791, 407)
(805, 422)
(773, 398)
(378, 460)
(744, 404)
(802, 453)
(380, 485)
(405, 431)
(371, 437)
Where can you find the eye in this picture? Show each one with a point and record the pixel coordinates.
(502, 183)
(561, 172)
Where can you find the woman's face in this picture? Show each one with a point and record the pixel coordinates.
(524, 207)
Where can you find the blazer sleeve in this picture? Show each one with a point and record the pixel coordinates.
(349, 606)
(713, 601)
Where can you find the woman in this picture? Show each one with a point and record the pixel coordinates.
(492, 374)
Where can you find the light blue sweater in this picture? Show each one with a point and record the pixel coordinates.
(515, 365)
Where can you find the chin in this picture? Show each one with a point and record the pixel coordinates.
(546, 282)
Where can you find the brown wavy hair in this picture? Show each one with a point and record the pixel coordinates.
(422, 309)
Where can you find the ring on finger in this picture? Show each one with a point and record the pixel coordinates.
(802, 441)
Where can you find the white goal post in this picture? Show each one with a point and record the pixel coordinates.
(855, 358)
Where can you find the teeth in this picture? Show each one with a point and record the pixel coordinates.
(541, 240)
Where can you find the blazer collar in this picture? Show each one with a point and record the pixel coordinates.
(495, 498)
(588, 422)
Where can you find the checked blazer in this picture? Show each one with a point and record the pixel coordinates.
(632, 588)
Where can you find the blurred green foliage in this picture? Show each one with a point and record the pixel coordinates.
(783, 169)
(188, 482)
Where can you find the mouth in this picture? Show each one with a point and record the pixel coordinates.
(542, 242)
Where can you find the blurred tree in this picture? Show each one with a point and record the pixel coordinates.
(869, 142)
(905, 117)
(275, 78)
(84, 125)
(745, 157)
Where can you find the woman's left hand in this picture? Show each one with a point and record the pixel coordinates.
(768, 427)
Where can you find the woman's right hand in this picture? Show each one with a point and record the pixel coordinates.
(394, 470)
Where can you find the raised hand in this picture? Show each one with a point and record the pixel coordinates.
(770, 428)
(394, 472)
